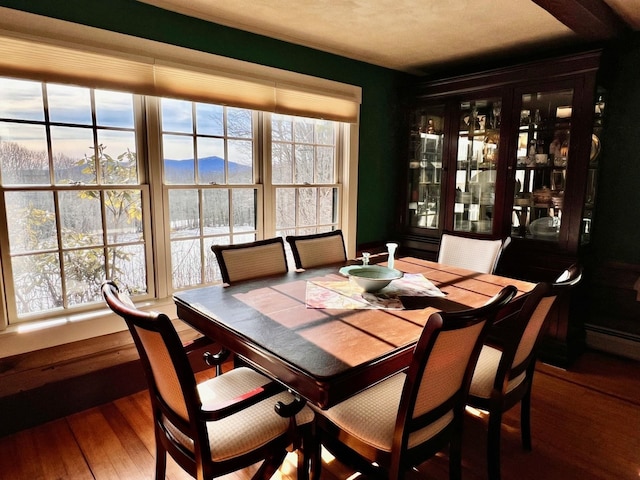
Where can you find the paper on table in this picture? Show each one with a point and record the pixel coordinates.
(414, 285)
(347, 295)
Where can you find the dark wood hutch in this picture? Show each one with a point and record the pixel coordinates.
(510, 153)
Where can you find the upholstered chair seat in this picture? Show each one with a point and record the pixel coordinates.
(259, 419)
(371, 415)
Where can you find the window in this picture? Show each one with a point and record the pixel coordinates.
(72, 195)
(210, 147)
(77, 183)
(304, 174)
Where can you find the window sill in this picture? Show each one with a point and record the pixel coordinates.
(31, 336)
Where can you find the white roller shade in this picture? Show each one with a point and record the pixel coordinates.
(55, 63)
(226, 89)
(46, 49)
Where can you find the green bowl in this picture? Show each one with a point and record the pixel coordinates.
(372, 278)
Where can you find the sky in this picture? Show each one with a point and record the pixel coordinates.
(23, 100)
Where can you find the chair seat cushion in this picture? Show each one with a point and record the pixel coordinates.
(250, 428)
(485, 373)
(371, 415)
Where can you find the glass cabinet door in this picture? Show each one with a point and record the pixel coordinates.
(476, 165)
(541, 165)
(425, 168)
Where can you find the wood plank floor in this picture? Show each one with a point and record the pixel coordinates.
(585, 422)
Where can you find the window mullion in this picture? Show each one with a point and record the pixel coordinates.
(58, 216)
(266, 215)
(148, 115)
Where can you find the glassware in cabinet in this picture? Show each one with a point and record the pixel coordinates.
(542, 160)
(425, 168)
(476, 165)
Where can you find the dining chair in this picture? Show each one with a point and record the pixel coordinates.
(504, 371)
(218, 426)
(470, 253)
(409, 417)
(244, 261)
(317, 249)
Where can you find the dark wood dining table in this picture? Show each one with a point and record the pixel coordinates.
(327, 355)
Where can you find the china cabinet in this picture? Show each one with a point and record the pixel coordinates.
(511, 152)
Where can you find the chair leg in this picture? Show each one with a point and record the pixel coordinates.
(270, 466)
(161, 462)
(303, 463)
(305, 453)
(314, 453)
(455, 458)
(525, 420)
(493, 444)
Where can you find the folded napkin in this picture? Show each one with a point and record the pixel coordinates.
(347, 295)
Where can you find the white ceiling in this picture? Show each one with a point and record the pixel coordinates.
(407, 35)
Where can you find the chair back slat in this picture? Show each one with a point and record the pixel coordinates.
(317, 249)
(164, 372)
(245, 261)
(532, 330)
(444, 368)
(470, 253)
(534, 316)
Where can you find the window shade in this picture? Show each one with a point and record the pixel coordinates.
(39, 61)
(294, 100)
(59, 61)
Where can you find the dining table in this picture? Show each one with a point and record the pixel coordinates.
(315, 333)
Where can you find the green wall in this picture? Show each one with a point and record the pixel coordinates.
(617, 225)
(378, 168)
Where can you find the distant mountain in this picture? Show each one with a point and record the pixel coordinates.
(206, 165)
(176, 170)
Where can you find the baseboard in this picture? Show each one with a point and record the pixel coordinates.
(612, 341)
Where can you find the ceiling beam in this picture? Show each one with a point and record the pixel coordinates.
(592, 19)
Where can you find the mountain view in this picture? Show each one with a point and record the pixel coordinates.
(206, 166)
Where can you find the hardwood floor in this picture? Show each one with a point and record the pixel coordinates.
(585, 425)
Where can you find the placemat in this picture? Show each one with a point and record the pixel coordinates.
(347, 295)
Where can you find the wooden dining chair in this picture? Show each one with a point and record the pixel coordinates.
(504, 372)
(404, 420)
(317, 249)
(470, 253)
(245, 261)
(220, 425)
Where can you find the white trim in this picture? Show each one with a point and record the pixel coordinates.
(26, 337)
(349, 183)
(623, 346)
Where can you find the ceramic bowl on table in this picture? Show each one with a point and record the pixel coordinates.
(372, 278)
